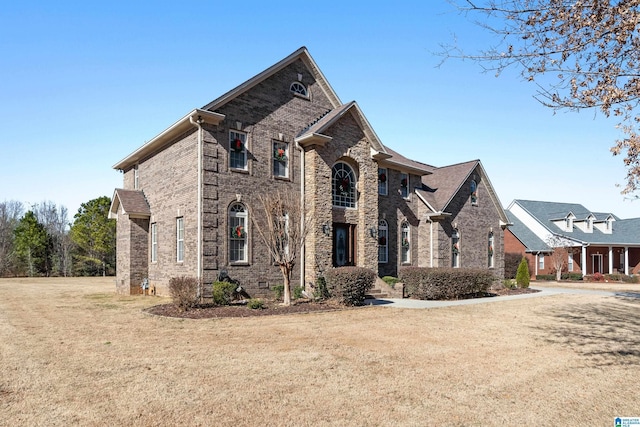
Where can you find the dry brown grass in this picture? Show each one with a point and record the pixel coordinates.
(73, 353)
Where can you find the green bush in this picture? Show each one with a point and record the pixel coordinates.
(522, 276)
(255, 304)
(445, 283)
(278, 292)
(223, 293)
(511, 262)
(349, 284)
(631, 279)
(546, 277)
(297, 292)
(391, 281)
(184, 291)
(321, 292)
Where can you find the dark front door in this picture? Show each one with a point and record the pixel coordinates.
(344, 244)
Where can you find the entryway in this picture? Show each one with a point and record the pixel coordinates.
(344, 244)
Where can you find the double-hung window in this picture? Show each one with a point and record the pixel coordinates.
(280, 159)
(237, 150)
(382, 181)
(404, 185)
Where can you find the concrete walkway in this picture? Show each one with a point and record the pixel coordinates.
(544, 291)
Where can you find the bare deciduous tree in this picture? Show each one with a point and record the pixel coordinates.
(560, 254)
(592, 47)
(10, 213)
(283, 227)
(56, 221)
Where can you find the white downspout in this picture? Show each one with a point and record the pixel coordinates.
(302, 215)
(430, 242)
(199, 220)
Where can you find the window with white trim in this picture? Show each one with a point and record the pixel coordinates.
(237, 150)
(299, 89)
(180, 239)
(154, 242)
(405, 243)
(280, 159)
(570, 261)
(540, 261)
(383, 244)
(382, 181)
(404, 185)
(343, 185)
(136, 178)
(455, 249)
(490, 252)
(238, 220)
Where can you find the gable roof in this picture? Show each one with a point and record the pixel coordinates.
(528, 238)
(624, 231)
(441, 186)
(133, 204)
(300, 54)
(313, 134)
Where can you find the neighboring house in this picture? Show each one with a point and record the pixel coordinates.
(596, 242)
(189, 196)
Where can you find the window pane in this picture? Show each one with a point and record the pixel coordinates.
(343, 186)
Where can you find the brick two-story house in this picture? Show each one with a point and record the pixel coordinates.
(190, 193)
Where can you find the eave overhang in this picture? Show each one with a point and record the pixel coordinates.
(313, 139)
(162, 140)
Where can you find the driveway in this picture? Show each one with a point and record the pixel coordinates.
(555, 289)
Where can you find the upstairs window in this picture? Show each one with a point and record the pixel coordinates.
(298, 89)
(280, 159)
(343, 185)
(474, 193)
(382, 181)
(237, 150)
(404, 185)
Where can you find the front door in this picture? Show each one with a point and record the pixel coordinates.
(597, 263)
(344, 244)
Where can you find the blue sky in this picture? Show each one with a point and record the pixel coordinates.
(84, 84)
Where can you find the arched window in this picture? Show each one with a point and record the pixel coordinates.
(405, 243)
(343, 185)
(455, 249)
(383, 245)
(238, 221)
(490, 251)
(474, 192)
(298, 88)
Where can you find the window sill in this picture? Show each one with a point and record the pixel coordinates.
(246, 171)
(239, 264)
(282, 178)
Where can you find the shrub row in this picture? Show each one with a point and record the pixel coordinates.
(444, 283)
(349, 284)
(565, 276)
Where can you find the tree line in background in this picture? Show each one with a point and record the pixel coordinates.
(41, 241)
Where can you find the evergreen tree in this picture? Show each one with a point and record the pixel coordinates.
(523, 276)
(95, 238)
(33, 245)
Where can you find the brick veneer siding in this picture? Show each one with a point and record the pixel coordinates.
(395, 209)
(131, 250)
(474, 223)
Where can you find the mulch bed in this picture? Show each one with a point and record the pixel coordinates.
(271, 308)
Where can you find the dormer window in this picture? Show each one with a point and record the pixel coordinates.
(589, 224)
(568, 222)
(298, 88)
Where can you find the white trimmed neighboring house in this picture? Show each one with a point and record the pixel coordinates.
(597, 242)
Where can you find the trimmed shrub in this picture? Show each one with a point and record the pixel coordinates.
(349, 284)
(278, 292)
(255, 304)
(511, 263)
(445, 283)
(631, 279)
(391, 281)
(223, 292)
(297, 292)
(321, 292)
(522, 276)
(184, 292)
